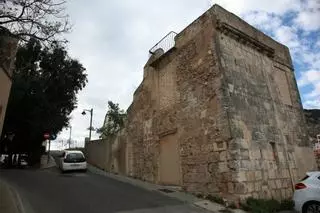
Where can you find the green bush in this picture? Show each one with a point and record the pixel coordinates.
(198, 195)
(215, 199)
(266, 206)
(232, 205)
(286, 205)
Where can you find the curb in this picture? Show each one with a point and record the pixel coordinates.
(19, 203)
(44, 163)
(13, 197)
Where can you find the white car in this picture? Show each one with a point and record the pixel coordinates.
(73, 160)
(307, 194)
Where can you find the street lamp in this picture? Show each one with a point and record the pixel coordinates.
(91, 113)
(70, 128)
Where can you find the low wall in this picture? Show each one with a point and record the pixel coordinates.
(110, 155)
(98, 153)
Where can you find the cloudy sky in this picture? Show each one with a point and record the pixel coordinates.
(112, 38)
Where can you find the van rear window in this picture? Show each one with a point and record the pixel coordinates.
(74, 157)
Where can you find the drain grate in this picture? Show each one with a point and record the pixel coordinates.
(166, 190)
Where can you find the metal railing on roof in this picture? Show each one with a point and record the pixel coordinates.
(166, 43)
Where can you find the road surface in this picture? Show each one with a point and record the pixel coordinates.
(49, 191)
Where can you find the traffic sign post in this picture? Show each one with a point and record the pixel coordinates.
(47, 137)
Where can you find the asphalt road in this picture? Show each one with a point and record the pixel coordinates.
(49, 191)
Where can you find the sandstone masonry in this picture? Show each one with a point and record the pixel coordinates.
(219, 113)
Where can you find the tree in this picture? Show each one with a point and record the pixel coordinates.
(113, 122)
(43, 94)
(43, 20)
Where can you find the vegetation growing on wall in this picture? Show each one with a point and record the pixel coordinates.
(113, 122)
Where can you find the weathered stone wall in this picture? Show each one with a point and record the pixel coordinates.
(202, 124)
(111, 154)
(226, 93)
(98, 153)
(180, 95)
(265, 112)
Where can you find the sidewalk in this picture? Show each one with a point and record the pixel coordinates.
(174, 192)
(9, 200)
(46, 163)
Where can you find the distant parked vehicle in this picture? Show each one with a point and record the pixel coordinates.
(72, 160)
(307, 193)
(23, 162)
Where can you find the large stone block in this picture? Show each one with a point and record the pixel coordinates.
(250, 176)
(258, 175)
(223, 155)
(223, 167)
(250, 187)
(240, 188)
(272, 174)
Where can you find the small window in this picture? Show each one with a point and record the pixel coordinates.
(274, 151)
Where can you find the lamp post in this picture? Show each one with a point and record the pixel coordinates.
(70, 128)
(91, 113)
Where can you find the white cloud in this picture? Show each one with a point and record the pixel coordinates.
(308, 18)
(270, 6)
(315, 93)
(312, 104)
(309, 77)
(263, 20)
(288, 36)
(312, 58)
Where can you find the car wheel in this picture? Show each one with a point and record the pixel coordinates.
(311, 207)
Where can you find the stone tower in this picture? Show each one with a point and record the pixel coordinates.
(219, 112)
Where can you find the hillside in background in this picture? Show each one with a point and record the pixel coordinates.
(313, 122)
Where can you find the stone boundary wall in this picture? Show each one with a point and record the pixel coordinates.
(109, 154)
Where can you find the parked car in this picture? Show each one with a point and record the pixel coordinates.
(307, 193)
(23, 160)
(72, 160)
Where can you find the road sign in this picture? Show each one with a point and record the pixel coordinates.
(53, 137)
(46, 135)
